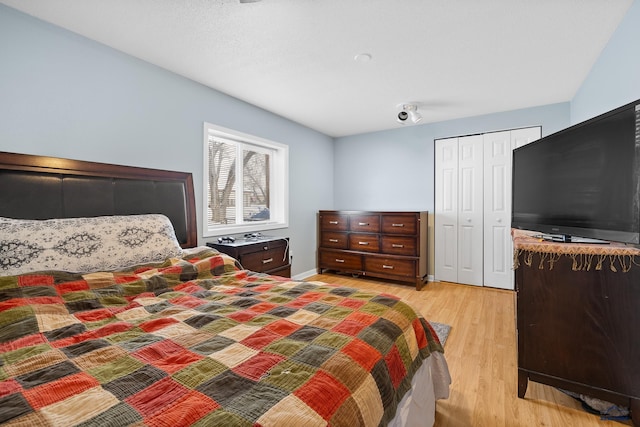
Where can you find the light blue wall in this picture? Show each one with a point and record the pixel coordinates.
(66, 96)
(394, 169)
(614, 80)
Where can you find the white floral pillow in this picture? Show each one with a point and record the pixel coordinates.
(85, 244)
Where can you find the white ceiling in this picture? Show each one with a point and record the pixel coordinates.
(456, 58)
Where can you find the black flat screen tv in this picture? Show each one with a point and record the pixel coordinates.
(583, 181)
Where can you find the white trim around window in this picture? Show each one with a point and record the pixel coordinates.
(263, 202)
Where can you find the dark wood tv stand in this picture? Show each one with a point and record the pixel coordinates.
(578, 320)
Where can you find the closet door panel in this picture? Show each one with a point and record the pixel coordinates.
(470, 202)
(498, 245)
(446, 210)
(520, 137)
(497, 210)
(501, 256)
(465, 252)
(449, 249)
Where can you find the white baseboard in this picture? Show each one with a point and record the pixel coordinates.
(302, 276)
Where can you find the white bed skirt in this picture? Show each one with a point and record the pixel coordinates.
(430, 383)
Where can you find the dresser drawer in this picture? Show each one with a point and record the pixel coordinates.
(365, 223)
(364, 242)
(338, 260)
(331, 239)
(399, 224)
(390, 266)
(264, 260)
(334, 222)
(399, 245)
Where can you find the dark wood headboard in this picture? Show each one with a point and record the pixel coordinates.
(37, 187)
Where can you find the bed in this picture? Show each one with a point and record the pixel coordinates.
(112, 315)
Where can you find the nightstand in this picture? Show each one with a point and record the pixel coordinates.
(263, 254)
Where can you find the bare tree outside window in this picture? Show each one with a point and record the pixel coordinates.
(256, 185)
(224, 183)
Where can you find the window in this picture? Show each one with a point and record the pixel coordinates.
(245, 182)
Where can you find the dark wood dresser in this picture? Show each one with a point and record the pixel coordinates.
(262, 254)
(578, 319)
(388, 245)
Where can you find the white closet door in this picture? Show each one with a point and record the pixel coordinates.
(498, 245)
(498, 261)
(470, 212)
(524, 136)
(473, 207)
(446, 210)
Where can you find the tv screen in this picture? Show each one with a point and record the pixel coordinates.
(582, 181)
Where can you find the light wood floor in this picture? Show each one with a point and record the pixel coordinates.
(482, 356)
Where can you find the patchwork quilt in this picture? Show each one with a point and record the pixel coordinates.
(197, 341)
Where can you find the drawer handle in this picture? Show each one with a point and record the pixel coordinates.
(363, 224)
(267, 261)
(333, 222)
(333, 240)
(339, 260)
(363, 243)
(266, 248)
(395, 245)
(397, 225)
(388, 267)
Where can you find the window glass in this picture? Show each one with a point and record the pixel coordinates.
(245, 182)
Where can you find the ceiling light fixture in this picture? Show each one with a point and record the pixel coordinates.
(249, 1)
(409, 112)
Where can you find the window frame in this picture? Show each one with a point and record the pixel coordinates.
(279, 182)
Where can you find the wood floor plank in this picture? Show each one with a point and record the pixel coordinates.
(481, 351)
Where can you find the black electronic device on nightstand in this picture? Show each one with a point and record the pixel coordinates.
(263, 254)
